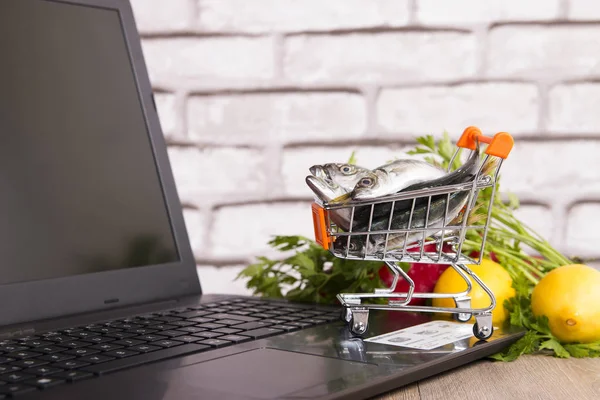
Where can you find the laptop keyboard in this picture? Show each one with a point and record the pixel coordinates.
(69, 355)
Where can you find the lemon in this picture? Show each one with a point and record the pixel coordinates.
(570, 297)
(495, 277)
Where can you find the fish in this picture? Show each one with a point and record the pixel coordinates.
(391, 178)
(346, 176)
(402, 212)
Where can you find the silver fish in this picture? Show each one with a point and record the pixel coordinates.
(393, 177)
(325, 192)
(402, 212)
(344, 175)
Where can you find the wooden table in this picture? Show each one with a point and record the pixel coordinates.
(529, 377)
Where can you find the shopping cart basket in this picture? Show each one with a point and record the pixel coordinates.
(405, 226)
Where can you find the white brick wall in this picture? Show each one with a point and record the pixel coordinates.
(251, 93)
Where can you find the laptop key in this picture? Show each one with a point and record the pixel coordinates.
(45, 382)
(49, 349)
(82, 352)
(145, 358)
(211, 325)
(273, 321)
(121, 335)
(201, 320)
(227, 331)
(6, 360)
(59, 338)
(13, 377)
(73, 376)
(287, 328)
(263, 315)
(74, 344)
(244, 318)
(12, 347)
(84, 334)
(36, 343)
(262, 333)
(96, 358)
(70, 364)
(300, 324)
(252, 325)
(235, 338)
(167, 343)
(56, 357)
(43, 371)
(144, 348)
(121, 353)
(190, 329)
(183, 323)
(23, 354)
(126, 342)
(98, 339)
(195, 313)
(105, 329)
(107, 346)
(151, 338)
(164, 327)
(216, 343)
(12, 368)
(168, 319)
(16, 389)
(288, 318)
(207, 334)
(313, 321)
(142, 331)
(187, 339)
(29, 363)
(171, 334)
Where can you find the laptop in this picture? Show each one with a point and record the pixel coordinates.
(98, 284)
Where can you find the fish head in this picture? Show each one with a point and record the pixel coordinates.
(323, 189)
(344, 175)
(371, 185)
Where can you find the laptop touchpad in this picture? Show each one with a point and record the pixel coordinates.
(265, 373)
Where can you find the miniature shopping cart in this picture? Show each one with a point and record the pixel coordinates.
(418, 226)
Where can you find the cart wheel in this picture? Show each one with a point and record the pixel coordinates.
(359, 322)
(483, 333)
(462, 317)
(358, 328)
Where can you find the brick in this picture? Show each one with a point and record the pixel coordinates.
(476, 11)
(558, 171)
(543, 51)
(196, 225)
(582, 232)
(584, 10)
(217, 58)
(291, 15)
(492, 107)
(167, 113)
(244, 230)
(297, 161)
(376, 57)
(154, 16)
(538, 218)
(222, 280)
(202, 175)
(574, 108)
(299, 116)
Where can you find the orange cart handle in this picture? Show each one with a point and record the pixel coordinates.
(499, 145)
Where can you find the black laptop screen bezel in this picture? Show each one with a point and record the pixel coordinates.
(36, 300)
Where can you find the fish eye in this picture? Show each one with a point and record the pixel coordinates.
(347, 169)
(366, 182)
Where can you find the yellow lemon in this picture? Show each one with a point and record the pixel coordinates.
(570, 297)
(495, 277)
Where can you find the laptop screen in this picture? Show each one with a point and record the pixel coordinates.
(79, 188)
